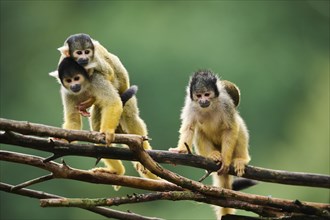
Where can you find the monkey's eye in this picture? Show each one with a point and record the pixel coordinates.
(79, 52)
(207, 94)
(68, 80)
(199, 95)
(76, 78)
(87, 51)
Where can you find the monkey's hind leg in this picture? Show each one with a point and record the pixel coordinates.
(132, 124)
(113, 166)
(224, 181)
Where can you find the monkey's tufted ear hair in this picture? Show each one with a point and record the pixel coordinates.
(55, 75)
(64, 50)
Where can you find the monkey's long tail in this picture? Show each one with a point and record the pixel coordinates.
(129, 93)
(242, 183)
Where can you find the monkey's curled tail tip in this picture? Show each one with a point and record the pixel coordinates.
(134, 88)
(243, 183)
(129, 93)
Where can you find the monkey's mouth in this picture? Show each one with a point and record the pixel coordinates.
(82, 62)
(204, 104)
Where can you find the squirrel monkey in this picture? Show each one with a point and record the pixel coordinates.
(212, 124)
(95, 58)
(79, 91)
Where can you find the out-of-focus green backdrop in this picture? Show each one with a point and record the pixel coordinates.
(277, 52)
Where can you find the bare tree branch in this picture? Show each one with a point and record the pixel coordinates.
(285, 205)
(110, 213)
(63, 171)
(62, 149)
(179, 187)
(148, 197)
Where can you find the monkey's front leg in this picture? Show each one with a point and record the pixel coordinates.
(229, 140)
(110, 116)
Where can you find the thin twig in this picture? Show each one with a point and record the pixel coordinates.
(188, 148)
(110, 213)
(34, 181)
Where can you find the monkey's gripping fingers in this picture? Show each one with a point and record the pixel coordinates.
(239, 166)
(83, 106)
(84, 113)
(109, 137)
(179, 150)
(216, 156)
(224, 169)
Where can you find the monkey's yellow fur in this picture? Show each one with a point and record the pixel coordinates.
(113, 114)
(217, 132)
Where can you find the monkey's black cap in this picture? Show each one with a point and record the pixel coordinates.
(69, 68)
(79, 42)
(203, 80)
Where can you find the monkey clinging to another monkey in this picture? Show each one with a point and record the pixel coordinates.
(211, 123)
(113, 78)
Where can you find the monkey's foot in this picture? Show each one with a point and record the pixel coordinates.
(103, 170)
(179, 150)
(239, 166)
(144, 172)
(140, 168)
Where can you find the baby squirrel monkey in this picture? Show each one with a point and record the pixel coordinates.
(95, 58)
(78, 87)
(212, 124)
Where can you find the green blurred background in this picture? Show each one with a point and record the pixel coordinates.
(277, 52)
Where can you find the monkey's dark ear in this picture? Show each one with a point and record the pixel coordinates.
(233, 91)
(64, 50)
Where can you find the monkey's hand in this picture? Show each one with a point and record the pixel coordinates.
(83, 106)
(84, 112)
(216, 156)
(109, 137)
(179, 150)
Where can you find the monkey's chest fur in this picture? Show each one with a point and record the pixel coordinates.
(212, 126)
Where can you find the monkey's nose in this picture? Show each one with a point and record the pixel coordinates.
(82, 62)
(204, 104)
(75, 88)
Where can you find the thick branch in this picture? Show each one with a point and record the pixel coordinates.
(269, 206)
(89, 150)
(66, 172)
(110, 213)
(286, 205)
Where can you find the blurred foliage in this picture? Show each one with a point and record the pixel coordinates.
(277, 52)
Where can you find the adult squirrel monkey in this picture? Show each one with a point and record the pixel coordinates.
(96, 59)
(79, 91)
(211, 123)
